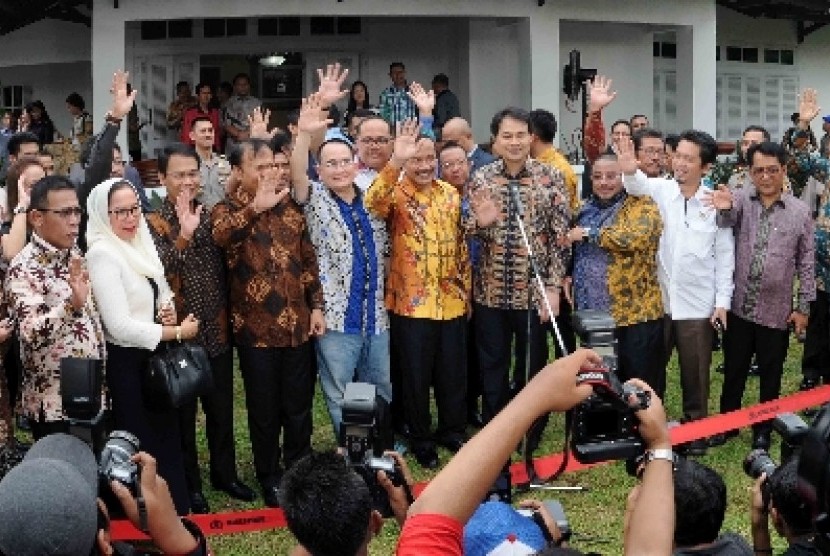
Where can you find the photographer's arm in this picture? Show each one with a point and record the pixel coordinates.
(456, 491)
(759, 516)
(651, 522)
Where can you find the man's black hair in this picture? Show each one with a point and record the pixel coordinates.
(200, 119)
(293, 117)
(396, 65)
(441, 79)
(672, 139)
(178, 149)
(333, 141)
(511, 112)
(767, 148)
(451, 145)
(181, 84)
(237, 155)
(626, 123)
(705, 142)
(543, 125)
(202, 85)
(644, 133)
(326, 504)
(635, 116)
(281, 142)
(699, 503)
(363, 113)
(76, 100)
(791, 506)
(371, 118)
(40, 190)
(13, 146)
(227, 87)
(239, 76)
(763, 130)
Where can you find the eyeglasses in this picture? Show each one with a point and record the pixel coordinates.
(125, 213)
(769, 170)
(64, 213)
(606, 176)
(118, 163)
(423, 160)
(375, 140)
(454, 164)
(342, 163)
(193, 174)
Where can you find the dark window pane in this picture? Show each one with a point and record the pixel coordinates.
(669, 50)
(290, 26)
(750, 55)
(153, 30)
(237, 27)
(180, 28)
(268, 26)
(787, 57)
(655, 49)
(771, 56)
(348, 25)
(214, 28)
(733, 54)
(717, 54)
(322, 25)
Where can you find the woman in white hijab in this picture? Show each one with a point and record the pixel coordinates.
(131, 292)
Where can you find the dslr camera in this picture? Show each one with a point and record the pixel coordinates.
(792, 430)
(604, 425)
(365, 433)
(557, 512)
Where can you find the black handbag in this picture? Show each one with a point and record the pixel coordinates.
(176, 373)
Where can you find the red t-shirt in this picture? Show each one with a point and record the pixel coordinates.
(431, 534)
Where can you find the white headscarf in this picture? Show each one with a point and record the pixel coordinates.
(140, 252)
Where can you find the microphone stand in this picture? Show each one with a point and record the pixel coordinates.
(533, 269)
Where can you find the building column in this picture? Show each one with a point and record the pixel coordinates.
(543, 74)
(697, 76)
(108, 40)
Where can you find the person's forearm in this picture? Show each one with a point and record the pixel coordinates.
(655, 505)
(13, 243)
(299, 168)
(760, 532)
(455, 491)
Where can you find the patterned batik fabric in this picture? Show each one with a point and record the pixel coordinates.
(803, 163)
(272, 271)
(351, 244)
(396, 106)
(195, 271)
(48, 327)
(557, 160)
(822, 242)
(429, 270)
(504, 268)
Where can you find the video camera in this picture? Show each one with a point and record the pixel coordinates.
(604, 425)
(366, 434)
(557, 512)
(814, 477)
(81, 384)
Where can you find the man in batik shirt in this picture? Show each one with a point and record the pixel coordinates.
(47, 287)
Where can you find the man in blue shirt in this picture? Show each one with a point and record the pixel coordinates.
(395, 105)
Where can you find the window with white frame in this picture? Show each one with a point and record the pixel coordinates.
(746, 99)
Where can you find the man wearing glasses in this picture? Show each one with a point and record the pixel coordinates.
(651, 152)
(350, 243)
(47, 290)
(774, 243)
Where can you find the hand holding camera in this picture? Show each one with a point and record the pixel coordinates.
(396, 486)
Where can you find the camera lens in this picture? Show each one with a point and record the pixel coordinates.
(119, 448)
(758, 462)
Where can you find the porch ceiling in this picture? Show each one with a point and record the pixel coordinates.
(15, 14)
(815, 11)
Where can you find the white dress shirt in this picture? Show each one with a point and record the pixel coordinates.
(696, 259)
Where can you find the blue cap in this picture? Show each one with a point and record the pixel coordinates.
(496, 529)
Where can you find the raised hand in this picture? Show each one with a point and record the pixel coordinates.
(258, 124)
(627, 157)
(600, 94)
(331, 84)
(267, 195)
(423, 99)
(122, 102)
(189, 215)
(23, 192)
(78, 283)
(486, 210)
(808, 107)
(312, 119)
(720, 198)
(406, 141)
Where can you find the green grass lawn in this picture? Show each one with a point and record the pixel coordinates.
(596, 515)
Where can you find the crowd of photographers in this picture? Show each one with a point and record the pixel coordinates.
(348, 257)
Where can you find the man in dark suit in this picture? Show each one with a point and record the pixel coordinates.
(458, 130)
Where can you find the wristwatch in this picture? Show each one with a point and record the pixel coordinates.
(20, 209)
(659, 453)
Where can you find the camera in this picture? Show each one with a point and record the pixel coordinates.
(792, 430)
(115, 464)
(365, 433)
(604, 425)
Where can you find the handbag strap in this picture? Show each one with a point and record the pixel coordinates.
(155, 293)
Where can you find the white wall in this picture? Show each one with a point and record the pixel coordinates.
(45, 42)
(52, 83)
(622, 52)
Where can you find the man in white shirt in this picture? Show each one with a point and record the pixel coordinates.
(694, 263)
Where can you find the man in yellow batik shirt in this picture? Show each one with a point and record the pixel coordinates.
(427, 290)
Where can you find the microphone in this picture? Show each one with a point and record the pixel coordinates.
(515, 197)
